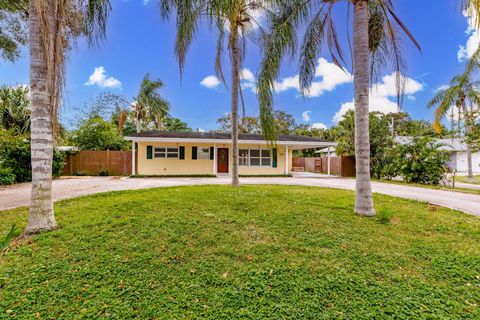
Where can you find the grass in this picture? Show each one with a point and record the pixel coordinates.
(256, 252)
(465, 179)
(429, 186)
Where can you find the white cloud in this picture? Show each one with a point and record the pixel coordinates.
(318, 125)
(248, 80)
(328, 76)
(99, 78)
(306, 115)
(210, 82)
(381, 95)
(200, 130)
(466, 51)
(145, 2)
(442, 87)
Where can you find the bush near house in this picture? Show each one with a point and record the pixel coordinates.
(420, 161)
(15, 157)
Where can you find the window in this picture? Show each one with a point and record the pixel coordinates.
(255, 157)
(243, 157)
(203, 153)
(163, 152)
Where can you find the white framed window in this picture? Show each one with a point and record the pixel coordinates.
(165, 152)
(203, 153)
(255, 157)
(243, 157)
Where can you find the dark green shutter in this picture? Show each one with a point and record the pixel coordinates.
(194, 153)
(212, 150)
(181, 153)
(274, 160)
(149, 152)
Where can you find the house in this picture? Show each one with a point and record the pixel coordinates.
(457, 150)
(210, 153)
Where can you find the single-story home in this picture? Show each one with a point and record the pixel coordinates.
(457, 150)
(210, 153)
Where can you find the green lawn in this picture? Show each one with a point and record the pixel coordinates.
(474, 180)
(257, 252)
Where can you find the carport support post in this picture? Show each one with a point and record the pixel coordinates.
(328, 161)
(286, 160)
(133, 158)
(215, 159)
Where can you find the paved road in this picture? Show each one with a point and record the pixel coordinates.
(18, 195)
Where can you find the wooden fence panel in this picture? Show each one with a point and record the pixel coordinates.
(85, 162)
(342, 166)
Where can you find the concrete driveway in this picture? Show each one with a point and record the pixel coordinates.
(19, 195)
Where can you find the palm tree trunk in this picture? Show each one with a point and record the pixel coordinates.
(468, 127)
(363, 188)
(235, 58)
(138, 122)
(41, 216)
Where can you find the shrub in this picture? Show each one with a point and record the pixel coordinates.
(15, 155)
(421, 161)
(103, 172)
(6, 176)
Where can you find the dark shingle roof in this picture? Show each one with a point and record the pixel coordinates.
(219, 135)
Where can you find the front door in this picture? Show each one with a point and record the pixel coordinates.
(222, 160)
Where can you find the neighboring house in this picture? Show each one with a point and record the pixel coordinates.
(457, 150)
(194, 153)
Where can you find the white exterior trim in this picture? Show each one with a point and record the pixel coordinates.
(287, 155)
(313, 144)
(133, 158)
(215, 159)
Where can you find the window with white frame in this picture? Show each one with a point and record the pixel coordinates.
(203, 153)
(166, 152)
(255, 157)
(243, 157)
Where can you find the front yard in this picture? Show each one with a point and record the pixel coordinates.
(464, 179)
(257, 252)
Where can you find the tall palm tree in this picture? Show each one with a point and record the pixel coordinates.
(226, 16)
(376, 41)
(462, 93)
(149, 104)
(53, 24)
(15, 108)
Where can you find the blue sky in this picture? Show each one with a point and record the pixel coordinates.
(139, 42)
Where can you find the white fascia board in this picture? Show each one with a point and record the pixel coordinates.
(312, 144)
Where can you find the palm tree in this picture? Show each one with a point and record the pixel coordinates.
(376, 40)
(53, 24)
(149, 104)
(463, 91)
(232, 16)
(15, 108)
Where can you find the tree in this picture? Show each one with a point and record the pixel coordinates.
(52, 26)
(234, 16)
(149, 104)
(13, 35)
(98, 134)
(461, 93)
(175, 124)
(380, 140)
(284, 123)
(375, 39)
(14, 109)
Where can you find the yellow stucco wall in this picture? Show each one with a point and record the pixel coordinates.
(162, 166)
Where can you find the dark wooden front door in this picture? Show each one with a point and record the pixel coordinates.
(222, 160)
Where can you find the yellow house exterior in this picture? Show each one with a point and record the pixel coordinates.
(199, 153)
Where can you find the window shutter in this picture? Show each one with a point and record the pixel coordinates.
(194, 153)
(181, 152)
(212, 150)
(274, 158)
(149, 152)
